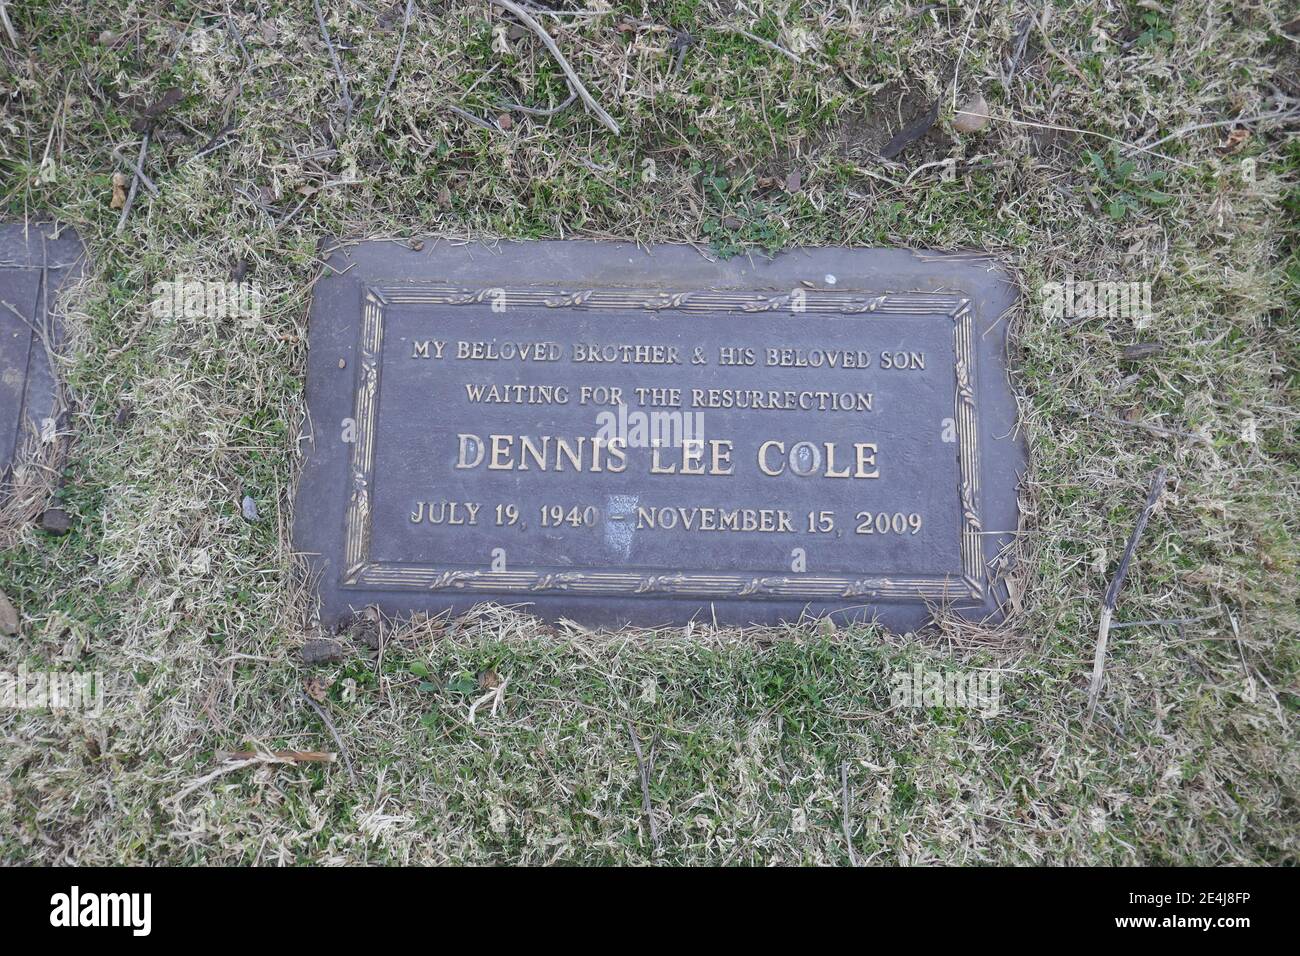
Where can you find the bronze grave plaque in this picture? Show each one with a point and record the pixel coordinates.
(36, 261)
(622, 434)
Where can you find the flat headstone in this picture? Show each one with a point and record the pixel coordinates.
(612, 433)
(36, 261)
(19, 290)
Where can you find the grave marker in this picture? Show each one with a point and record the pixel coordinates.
(36, 263)
(619, 434)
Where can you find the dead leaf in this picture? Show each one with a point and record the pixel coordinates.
(1013, 592)
(973, 116)
(119, 190)
(1236, 139)
(317, 688)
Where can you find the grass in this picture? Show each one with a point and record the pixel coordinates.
(195, 616)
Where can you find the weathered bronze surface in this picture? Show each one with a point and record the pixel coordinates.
(36, 261)
(619, 434)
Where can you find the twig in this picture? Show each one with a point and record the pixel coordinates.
(220, 141)
(135, 182)
(961, 53)
(846, 819)
(397, 60)
(41, 334)
(54, 125)
(477, 121)
(302, 202)
(9, 27)
(528, 20)
(150, 186)
(755, 38)
(221, 771)
(1044, 16)
(293, 212)
(1116, 583)
(334, 57)
(233, 29)
(383, 646)
(36, 329)
(1089, 132)
(1178, 622)
(1026, 23)
(288, 756)
(534, 111)
(1145, 426)
(334, 732)
(1240, 121)
(644, 773)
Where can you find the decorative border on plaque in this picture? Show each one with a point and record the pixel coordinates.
(361, 572)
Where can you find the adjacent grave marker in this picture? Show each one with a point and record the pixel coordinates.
(619, 434)
(19, 291)
(36, 261)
